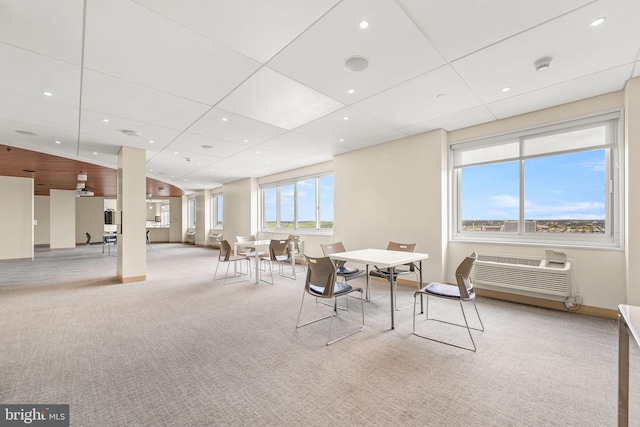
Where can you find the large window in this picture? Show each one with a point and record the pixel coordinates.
(191, 213)
(216, 210)
(554, 185)
(304, 203)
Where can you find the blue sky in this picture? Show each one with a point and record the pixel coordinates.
(567, 186)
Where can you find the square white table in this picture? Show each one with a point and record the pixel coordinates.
(628, 327)
(382, 258)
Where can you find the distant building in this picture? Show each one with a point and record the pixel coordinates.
(513, 226)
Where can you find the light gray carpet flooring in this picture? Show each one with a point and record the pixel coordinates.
(180, 349)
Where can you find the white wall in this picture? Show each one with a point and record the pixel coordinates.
(16, 218)
(63, 219)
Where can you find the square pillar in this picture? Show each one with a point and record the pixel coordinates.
(131, 215)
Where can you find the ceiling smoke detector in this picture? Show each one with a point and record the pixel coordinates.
(543, 63)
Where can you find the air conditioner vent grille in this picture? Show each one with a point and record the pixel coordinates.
(534, 275)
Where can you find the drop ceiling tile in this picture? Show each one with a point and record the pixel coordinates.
(459, 27)
(374, 140)
(585, 87)
(127, 40)
(344, 126)
(38, 112)
(293, 144)
(30, 74)
(115, 97)
(636, 69)
(255, 28)
(272, 98)
(175, 166)
(394, 46)
(43, 141)
(204, 145)
(471, 117)
(111, 133)
(435, 94)
(49, 27)
(225, 125)
(582, 51)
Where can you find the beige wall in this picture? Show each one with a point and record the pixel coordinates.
(16, 218)
(240, 209)
(42, 216)
(89, 219)
(62, 206)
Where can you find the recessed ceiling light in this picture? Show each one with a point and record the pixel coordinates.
(246, 140)
(341, 140)
(597, 22)
(506, 89)
(175, 152)
(224, 119)
(350, 91)
(542, 63)
(363, 24)
(345, 118)
(105, 120)
(57, 142)
(151, 141)
(95, 153)
(355, 64)
(45, 93)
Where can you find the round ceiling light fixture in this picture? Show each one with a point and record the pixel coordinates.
(130, 132)
(543, 63)
(356, 64)
(26, 132)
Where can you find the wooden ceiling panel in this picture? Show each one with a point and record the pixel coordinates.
(59, 173)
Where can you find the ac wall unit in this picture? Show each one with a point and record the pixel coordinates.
(551, 275)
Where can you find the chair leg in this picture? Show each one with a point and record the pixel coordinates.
(333, 314)
(466, 323)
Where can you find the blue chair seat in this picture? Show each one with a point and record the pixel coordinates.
(339, 288)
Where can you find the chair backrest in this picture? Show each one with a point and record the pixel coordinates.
(279, 247)
(403, 247)
(321, 274)
(296, 242)
(463, 277)
(333, 248)
(225, 251)
(241, 239)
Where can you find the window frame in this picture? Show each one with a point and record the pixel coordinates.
(614, 185)
(216, 198)
(278, 185)
(191, 213)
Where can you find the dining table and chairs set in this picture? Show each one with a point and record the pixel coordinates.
(328, 277)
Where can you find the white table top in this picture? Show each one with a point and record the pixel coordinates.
(382, 258)
(253, 243)
(631, 316)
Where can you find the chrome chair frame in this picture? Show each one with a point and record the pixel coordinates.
(225, 256)
(321, 283)
(462, 292)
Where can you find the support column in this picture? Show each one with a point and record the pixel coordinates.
(632, 158)
(131, 215)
